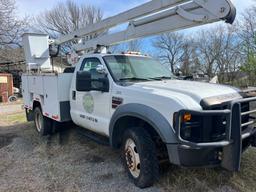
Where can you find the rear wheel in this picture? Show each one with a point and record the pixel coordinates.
(43, 124)
(139, 157)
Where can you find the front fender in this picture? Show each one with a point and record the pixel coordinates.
(149, 115)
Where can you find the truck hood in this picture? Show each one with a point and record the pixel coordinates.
(198, 91)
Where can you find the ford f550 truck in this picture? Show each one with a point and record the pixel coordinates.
(136, 103)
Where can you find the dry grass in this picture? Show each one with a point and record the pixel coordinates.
(11, 119)
(202, 180)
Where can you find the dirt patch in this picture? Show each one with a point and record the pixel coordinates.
(6, 140)
(88, 158)
(105, 177)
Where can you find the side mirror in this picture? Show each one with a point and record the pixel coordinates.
(85, 83)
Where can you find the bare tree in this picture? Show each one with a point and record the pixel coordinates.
(67, 17)
(188, 61)
(11, 28)
(171, 48)
(247, 29)
(208, 48)
(247, 33)
(218, 52)
(229, 58)
(214, 51)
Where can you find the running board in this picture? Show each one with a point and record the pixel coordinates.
(102, 140)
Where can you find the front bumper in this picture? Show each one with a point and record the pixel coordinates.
(238, 136)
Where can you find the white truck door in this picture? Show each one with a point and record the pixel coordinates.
(93, 107)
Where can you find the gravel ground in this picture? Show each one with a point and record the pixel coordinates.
(66, 161)
(69, 161)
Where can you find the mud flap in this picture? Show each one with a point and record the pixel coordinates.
(29, 115)
(232, 153)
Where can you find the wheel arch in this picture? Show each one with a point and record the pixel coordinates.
(137, 114)
(37, 104)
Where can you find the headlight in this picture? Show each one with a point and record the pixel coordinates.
(185, 118)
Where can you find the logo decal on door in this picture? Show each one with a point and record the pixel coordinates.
(88, 103)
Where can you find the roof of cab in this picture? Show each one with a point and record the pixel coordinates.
(113, 54)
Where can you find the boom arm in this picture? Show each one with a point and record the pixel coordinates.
(154, 17)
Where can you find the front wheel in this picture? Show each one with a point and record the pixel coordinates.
(139, 157)
(43, 124)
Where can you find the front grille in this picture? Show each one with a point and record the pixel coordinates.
(219, 122)
(248, 113)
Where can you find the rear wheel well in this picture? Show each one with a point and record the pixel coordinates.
(127, 122)
(36, 104)
(30, 112)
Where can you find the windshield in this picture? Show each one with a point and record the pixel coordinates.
(133, 68)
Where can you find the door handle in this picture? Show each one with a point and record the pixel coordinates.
(74, 95)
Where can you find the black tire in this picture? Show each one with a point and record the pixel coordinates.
(148, 163)
(43, 124)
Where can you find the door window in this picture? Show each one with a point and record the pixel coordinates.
(90, 65)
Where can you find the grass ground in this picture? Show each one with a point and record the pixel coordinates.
(11, 119)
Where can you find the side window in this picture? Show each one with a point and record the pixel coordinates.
(90, 64)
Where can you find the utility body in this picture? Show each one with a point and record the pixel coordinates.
(136, 102)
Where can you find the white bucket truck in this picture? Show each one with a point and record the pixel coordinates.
(135, 102)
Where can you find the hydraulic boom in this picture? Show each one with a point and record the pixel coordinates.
(154, 17)
(151, 18)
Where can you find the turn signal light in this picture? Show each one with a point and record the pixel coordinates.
(187, 117)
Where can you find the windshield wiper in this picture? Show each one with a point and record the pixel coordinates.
(134, 79)
(161, 78)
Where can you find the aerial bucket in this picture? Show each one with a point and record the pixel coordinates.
(36, 48)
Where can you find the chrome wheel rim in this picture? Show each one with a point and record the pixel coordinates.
(132, 158)
(39, 119)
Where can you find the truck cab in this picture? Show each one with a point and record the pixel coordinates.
(103, 82)
(194, 124)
